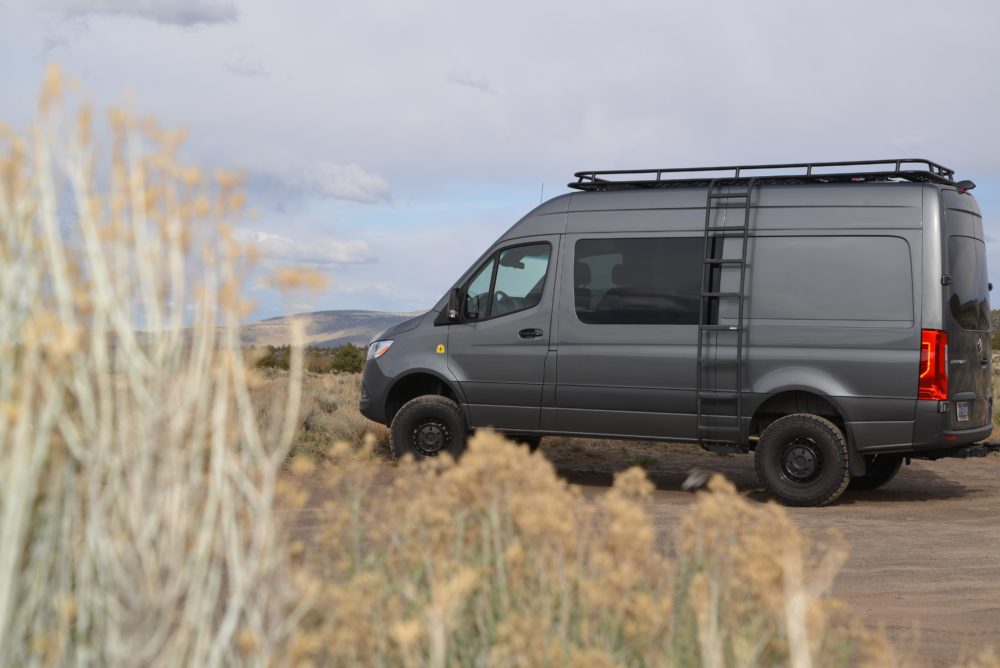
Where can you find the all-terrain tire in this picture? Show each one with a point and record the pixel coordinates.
(802, 460)
(428, 426)
(879, 469)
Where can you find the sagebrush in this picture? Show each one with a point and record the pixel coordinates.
(136, 523)
(497, 561)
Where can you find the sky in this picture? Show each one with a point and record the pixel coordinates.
(388, 143)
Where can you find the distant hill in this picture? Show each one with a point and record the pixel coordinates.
(323, 328)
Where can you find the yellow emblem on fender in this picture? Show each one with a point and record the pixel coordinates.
(440, 349)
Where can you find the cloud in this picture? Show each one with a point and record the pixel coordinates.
(481, 84)
(907, 143)
(242, 65)
(321, 251)
(329, 179)
(173, 12)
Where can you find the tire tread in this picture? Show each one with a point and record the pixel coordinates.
(398, 442)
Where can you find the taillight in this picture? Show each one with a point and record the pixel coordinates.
(933, 383)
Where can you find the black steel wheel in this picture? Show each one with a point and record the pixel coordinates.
(802, 460)
(879, 469)
(428, 426)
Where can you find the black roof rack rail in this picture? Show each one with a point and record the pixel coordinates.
(854, 171)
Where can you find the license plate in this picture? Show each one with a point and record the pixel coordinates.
(962, 409)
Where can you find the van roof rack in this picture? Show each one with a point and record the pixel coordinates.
(855, 171)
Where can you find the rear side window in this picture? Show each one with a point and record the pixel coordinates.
(969, 303)
(847, 281)
(649, 281)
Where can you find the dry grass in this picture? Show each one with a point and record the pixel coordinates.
(497, 561)
(329, 411)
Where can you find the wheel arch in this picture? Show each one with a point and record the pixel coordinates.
(802, 399)
(795, 399)
(419, 382)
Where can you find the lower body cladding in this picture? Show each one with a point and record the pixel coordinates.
(923, 431)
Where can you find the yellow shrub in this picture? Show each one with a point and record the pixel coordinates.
(498, 561)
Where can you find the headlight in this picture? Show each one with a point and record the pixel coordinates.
(377, 349)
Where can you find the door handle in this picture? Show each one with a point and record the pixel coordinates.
(530, 333)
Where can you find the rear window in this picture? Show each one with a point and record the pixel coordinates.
(969, 303)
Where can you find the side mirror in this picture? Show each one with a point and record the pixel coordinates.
(454, 301)
(990, 286)
(472, 307)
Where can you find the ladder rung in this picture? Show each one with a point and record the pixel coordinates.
(725, 195)
(719, 328)
(726, 262)
(722, 294)
(718, 362)
(705, 427)
(727, 228)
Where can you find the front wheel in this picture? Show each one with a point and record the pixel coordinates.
(879, 469)
(802, 460)
(426, 427)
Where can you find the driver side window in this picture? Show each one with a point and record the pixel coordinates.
(510, 281)
(477, 295)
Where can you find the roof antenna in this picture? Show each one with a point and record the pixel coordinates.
(542, 195)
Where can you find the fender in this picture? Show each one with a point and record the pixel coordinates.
(827, 387)
(451, 383)
(791, 378)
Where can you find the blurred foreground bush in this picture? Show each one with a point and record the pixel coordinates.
(136, 523)
(497, 561)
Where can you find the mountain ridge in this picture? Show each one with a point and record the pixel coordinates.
(324, 329)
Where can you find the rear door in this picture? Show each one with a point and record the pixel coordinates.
(967, 319)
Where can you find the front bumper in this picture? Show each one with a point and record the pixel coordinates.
(374, 391)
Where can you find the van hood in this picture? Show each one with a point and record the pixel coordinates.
(399, 328)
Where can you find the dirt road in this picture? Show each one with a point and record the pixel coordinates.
(925, 549)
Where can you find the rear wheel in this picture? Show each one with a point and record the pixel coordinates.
(427, 427)
(802, 460)
(879, 469)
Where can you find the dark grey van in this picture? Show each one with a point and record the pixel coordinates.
(832, 318)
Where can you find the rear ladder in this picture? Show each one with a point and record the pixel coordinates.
(721, 428)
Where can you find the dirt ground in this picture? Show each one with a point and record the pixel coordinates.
(924, 548)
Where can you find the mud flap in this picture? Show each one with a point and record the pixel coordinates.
(856, 461)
